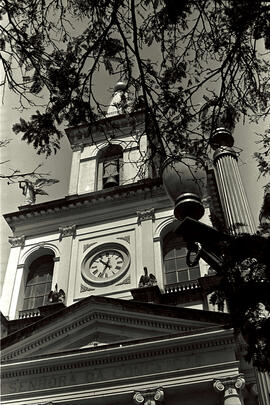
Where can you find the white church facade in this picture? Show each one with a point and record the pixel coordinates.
(99, 306)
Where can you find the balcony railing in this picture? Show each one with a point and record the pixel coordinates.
(29, 313)
(182, 286)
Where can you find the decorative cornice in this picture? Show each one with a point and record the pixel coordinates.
(146, 214)
(17, 241)
(89, 133)
(65, 231)
(70, 202)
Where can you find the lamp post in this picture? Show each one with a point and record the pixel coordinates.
(207, 242)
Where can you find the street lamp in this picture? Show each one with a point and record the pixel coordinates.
(240, 258)
(184, 179)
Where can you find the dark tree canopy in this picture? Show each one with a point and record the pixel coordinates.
(209, 65)
(191, 65)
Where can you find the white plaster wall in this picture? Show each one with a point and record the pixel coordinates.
(87, 176)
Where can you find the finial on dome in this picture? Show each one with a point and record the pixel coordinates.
(119, 102)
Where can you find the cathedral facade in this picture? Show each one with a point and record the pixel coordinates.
(99, 305)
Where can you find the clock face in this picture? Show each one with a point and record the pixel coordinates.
(106, 264)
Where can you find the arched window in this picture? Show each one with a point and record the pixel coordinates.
(39, 282)
(174, 256)
(110, 164)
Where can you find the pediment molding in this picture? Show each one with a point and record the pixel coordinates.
(143, 323)
(103, 356)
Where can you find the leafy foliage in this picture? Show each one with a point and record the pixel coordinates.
(205, 69)
(245, 285)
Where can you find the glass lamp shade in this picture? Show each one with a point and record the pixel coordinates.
(221, 137)
(184, 181)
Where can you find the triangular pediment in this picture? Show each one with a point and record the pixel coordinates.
(99, 321)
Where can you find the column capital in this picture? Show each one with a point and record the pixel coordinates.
(224, 151)
(231, 386)
(77, 147)
(69, 230)
(148, 397)
(17, 241)
(146, 214)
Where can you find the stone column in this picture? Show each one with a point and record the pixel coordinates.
(263, 384)
(149, 397)
(232, 194)
(231, 388)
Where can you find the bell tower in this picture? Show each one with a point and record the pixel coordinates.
(109, 153)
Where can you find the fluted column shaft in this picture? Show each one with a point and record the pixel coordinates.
(232, 194)
(263, 383)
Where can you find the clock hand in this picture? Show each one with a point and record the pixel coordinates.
(106, 266)
(101, 261)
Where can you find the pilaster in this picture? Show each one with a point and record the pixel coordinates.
(17, 243)
(75, 169)
(66, 236)
(145, 224)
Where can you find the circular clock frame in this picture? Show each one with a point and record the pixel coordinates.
(105, 264)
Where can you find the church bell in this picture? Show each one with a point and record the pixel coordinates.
(110, 174)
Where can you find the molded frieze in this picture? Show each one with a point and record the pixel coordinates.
(165, 362)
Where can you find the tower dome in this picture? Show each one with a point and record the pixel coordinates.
(119, 102)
